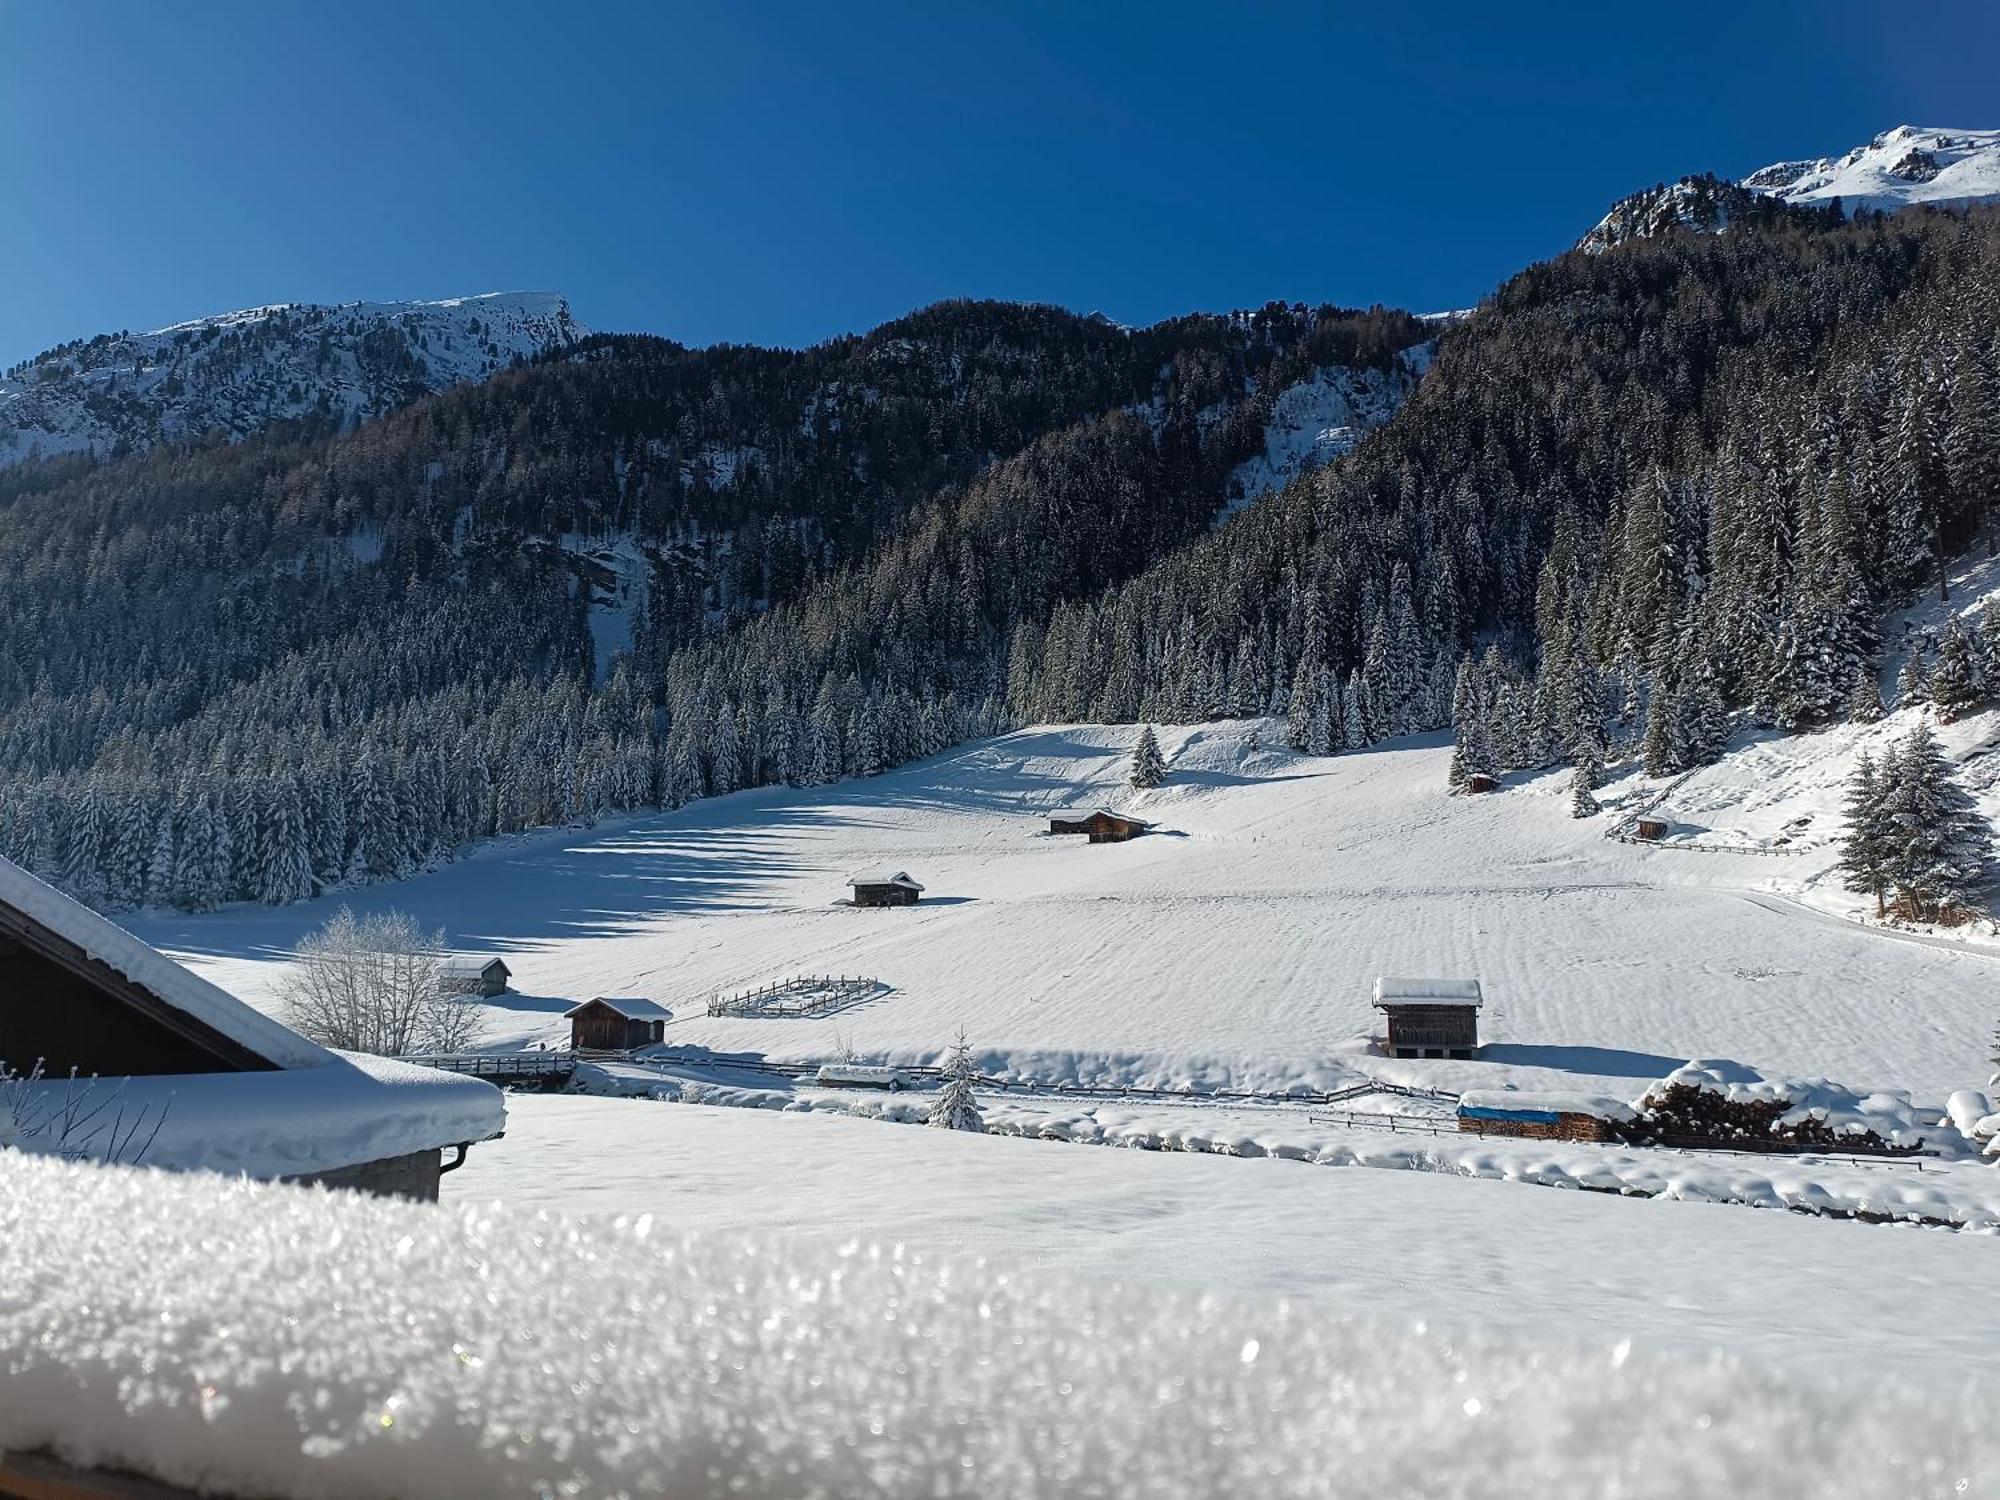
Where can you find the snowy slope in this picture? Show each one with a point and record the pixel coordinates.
(238, 372)
(1316, 420)
(1234, 948)
(1910, 164)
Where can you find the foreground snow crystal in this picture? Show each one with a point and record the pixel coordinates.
(255, 1339)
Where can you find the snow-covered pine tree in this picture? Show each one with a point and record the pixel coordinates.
(1659, 738)
(1955, 683)
(1700, 728)
(1864, 699)
(1913, 681)
(1940, 847)
(954, 1108)
(1864, 849)
(1148, 769)
(1582, 784)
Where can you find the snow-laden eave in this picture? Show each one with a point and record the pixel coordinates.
(289, 1122)
(152, 971)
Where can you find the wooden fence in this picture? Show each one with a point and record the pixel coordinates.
(501, 1065)
(805, 995)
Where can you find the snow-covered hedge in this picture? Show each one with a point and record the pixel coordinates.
(254, 1339)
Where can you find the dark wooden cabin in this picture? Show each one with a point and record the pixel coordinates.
(1479, 781)
(472, 974)
(616, 1024)
(80, 995)
(1429, 1017)
(892, 888)
(1650, 829)
(1101, 825)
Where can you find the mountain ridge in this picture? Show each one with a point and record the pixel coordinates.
(1907, 166)
(240, 372)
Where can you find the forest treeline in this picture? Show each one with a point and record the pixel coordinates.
(250, 671)
(1636, 491)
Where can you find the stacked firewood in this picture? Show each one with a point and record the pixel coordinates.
(1679, 1114)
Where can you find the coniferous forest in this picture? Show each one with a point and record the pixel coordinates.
(1637, 490)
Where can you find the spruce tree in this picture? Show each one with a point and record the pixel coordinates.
(954, 1108)
(1913, 680)
(1864, 849)
(1940, 847)
(1583, 783)
(1955, 685)
(1148, 769)
(1864, 699)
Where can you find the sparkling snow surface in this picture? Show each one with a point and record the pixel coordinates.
(259, 1340)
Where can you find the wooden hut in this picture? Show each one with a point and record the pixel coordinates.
(616, 1024)
(1650, 829)
(1101, 825)
(1429, 1017)
(1479, 781)
(472, 974)
(214, 1082)
(885, 888)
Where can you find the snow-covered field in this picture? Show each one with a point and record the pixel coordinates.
(1234, 948)
(1404, 1246)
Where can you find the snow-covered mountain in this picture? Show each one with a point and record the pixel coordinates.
(1911, 164)
(238, 372)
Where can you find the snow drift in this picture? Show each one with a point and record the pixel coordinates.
(250, 1339)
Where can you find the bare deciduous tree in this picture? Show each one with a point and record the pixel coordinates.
(370, 984)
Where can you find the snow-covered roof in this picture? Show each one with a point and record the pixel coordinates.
(631, 1007)
(1392, 991)
(242, 1339)
(288, 1122)
(1078, 815)
(467, 965)
(152, 971)
(884, 877)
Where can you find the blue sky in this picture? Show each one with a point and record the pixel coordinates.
(780, 173)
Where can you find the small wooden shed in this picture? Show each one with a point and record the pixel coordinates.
(1101, 825)
(472, 974)
(1650, 829)
(885, 888)
(616, 1023)
(1429, 1017)
(1479, 781)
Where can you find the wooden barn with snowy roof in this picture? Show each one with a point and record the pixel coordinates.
(884, 888)
(1429, 1017)
(192, 1078)
(1101, 824)
(616, 1023)
(473, 974)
